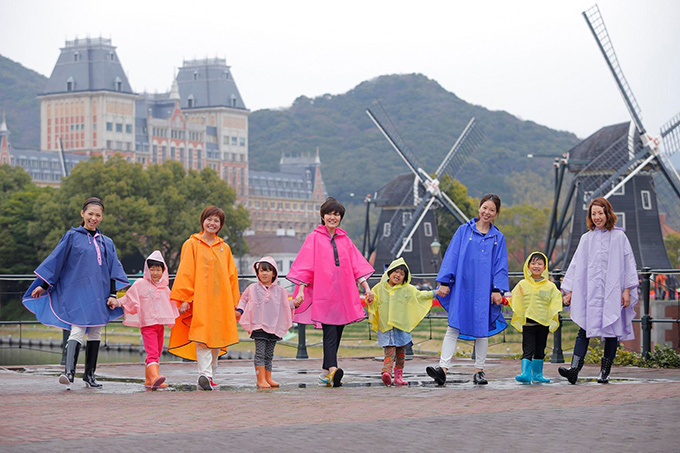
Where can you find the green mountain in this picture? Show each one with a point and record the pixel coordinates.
(19, 87)
(357, 159)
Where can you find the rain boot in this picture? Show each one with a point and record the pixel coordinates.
(572, 373)
(72, 350)
(261, 380)
(91, 354)
(537, 372)
(153, 380)
(525, 377)
(605, 369)
(399, 377)
(386, 378)
(268, 378)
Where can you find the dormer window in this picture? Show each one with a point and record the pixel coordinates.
(190, 101)
(233, 100)
(118, 84)
(70, 85)
(226, 75)
(76, 56)
(195, 75)
(112, 56)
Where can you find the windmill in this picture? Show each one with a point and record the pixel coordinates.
(407, 225)
(625, 164)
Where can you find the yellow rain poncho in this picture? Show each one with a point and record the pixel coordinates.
(540, 301)
(401, 306)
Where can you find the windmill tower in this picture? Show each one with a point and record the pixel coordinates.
(407, 225)
(626, 165)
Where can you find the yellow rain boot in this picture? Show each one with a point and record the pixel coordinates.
(261, 379)
(268, 378)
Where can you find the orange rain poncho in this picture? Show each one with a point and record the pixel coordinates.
(207, 278)
(540, 301)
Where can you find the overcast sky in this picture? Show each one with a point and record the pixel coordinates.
(535, 59)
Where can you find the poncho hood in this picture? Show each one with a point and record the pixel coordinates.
(393, 265)
(269, 260)
(527, 271)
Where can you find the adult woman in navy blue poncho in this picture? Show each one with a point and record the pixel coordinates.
(473, 275)
(73, 287)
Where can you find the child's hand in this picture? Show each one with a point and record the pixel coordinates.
(184, 307)
(443, 291)
(238, 315)
(567, 299)
(37, 292)
(369, 296)
(438, 292)
(112, 302)
(299, 299)
(496, 298)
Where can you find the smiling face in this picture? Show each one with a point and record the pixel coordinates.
(397, 277)
(92, 215)
(487, 211)
(156, 273)
(212, 224)
(536, 267)
(332, 220)
(598, 216)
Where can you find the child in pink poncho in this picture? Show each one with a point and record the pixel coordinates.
(147, 306)
(327, 270)
(266, 312)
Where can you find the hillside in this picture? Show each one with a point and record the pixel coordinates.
(357, 159)
(19, 87)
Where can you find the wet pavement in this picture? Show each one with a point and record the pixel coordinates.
(638, 410)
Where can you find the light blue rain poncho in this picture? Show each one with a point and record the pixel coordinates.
(79, 273)
(473, 266)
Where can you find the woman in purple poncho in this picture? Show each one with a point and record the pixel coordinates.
(327, 270)
(601, 287)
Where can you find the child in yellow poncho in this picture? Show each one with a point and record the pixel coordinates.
(536, 303)
(397, 309)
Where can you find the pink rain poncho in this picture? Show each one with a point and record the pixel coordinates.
(603, 266)
(147, 303)
(330, 267)
(264, 308)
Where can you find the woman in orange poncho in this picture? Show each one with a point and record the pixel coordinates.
(206, 292)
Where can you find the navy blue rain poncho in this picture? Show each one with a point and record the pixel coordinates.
(79, 273)
(473, 266)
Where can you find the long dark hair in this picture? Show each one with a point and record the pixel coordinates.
(89, 201)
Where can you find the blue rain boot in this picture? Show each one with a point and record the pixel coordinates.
(537, 372)
(525, 377)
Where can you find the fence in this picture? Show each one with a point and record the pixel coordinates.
(13, 286)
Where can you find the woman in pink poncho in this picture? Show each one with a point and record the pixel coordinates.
(266, 313)
(601, 287)
(327, 270)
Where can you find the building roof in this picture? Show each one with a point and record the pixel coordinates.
(269, 244)
(612, 140)
(397, 192)
(208, 83)
(44, 166)
(88, 64)
(295, 180)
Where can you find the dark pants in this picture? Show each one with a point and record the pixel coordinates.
(581, 346)
(331, 342)
(534, 339)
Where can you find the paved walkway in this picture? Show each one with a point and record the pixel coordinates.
(638, 411)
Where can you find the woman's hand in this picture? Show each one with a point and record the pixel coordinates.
(184, 307)
(299, 298)
(496, 298)
(369, 296)
(112, 302)
(443, 291)
(625, 298)
(37, 292)
(567, 299)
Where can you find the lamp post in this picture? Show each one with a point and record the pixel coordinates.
(435, 247)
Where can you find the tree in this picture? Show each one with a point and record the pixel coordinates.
(446, 223)
(525, 228)
(672, 243)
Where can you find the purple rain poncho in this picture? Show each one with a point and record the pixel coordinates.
(475, 264)
(331, 296)
(79, 273)
(603, 266)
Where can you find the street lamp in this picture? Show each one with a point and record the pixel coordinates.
(435, 247)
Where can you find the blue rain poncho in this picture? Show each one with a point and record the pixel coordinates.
(79, 273)
(473, 266)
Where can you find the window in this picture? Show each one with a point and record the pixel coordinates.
(112, 56)
(70, 85)
(387, 229)
(128, 128)
(409, 245)
(234, 141)
(427, 229)
(225, 140)
(621, 190)
(196, 75)
(76, 56)
(621, 219)
(646, 199)
(118, 84)
(586, 198)
(190, 101)
(109, 126)
(242, 141)
(405, 217)
(119, 127)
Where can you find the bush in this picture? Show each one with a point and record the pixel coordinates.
(660, 357)
(663, 357)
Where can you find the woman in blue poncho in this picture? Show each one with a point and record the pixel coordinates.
(473, 276)
(73, 287)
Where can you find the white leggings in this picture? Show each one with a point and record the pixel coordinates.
(78, 333)
(449, 348)
(206, 358)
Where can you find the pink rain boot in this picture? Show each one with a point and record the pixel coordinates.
(398, 377)
(387, 378)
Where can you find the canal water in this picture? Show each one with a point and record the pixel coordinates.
(14, 356)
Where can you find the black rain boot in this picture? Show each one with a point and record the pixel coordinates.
(605, 369)
(91, 354)
(72, 350)
(572, 373)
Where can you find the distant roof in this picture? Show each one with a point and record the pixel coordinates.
(602, 141)
(44, 166)
(88, 64)
(208, 83)
(268, 244)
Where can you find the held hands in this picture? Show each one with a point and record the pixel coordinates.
(112, 302)
(299, 299)
(37, 292)
(496, 298)
(184, 307)
(369, 296)
(443, 291)
(238, 314)
(567, 299)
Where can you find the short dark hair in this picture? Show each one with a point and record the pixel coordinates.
(329, 206)
(494, 198)
(211, 211)
(608, 211)
(537, 256)
(152, 263)
(402, 267)
(265, 266)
